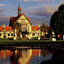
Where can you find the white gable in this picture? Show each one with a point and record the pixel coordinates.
(22, 19)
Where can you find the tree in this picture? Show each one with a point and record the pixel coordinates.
(57, 21)
(44, 29)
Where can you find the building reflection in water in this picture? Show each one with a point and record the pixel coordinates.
(5, 56)
(24, 56)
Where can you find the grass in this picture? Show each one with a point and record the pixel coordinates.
(18, 42)
(23, 41)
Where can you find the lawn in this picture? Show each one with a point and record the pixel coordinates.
(18, 42)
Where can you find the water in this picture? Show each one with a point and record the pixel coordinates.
(24, 56)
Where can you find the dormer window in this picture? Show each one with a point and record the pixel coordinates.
(10, 30)
(23, 20)
(33, 29)
(4, 30)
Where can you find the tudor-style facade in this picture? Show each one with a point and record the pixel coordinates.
(23, 27)
(25, 24)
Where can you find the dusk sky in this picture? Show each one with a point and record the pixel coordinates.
(39, 11)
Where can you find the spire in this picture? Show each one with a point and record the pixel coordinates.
(19, 7)
(19, 10)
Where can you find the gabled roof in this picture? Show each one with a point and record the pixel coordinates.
(14, 19)
(7, 28)
(28, 18)
(1, 28)
(36, 28)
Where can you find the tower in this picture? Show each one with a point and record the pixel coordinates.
(19, 10)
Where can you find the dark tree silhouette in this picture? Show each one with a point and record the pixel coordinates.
(57, 21)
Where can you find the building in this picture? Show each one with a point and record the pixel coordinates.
(45, 31)
(6, 32)
(24, 26)
(23, 21)
(21, 27)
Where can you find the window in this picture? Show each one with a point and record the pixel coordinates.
(33, 34)
(14, 35)
(8, 34)
(24, 29)
(0, 34)
(4, 29)
(33, 29)
(23, 20)
(11, 34)
(10, 30)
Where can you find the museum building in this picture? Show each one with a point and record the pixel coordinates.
(21, 27)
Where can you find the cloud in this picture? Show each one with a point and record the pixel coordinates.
(41, 11)
(41, 14)
(39, 20)
(51, 9)
(8, 5)
(2, 12)
(1, 4)
(43, 0)
(4, 20)
(27, 0)
(37, 0)
(0, 0)
(61, 1)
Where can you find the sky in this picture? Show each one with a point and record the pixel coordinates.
(39, 11)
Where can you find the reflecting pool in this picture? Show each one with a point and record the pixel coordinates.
(24, 56)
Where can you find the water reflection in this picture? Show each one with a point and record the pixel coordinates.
(5, 56)
(24, 56)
